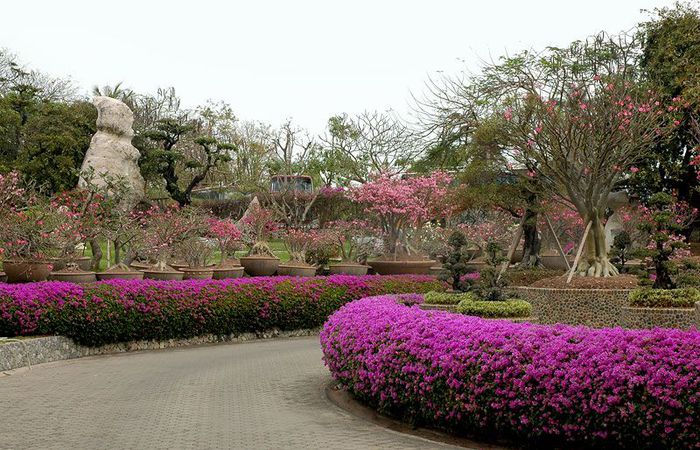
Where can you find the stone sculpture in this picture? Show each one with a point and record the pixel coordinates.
(111, 157)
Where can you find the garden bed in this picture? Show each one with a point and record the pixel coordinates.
(131, 310)
(578, 282)
(538, 386)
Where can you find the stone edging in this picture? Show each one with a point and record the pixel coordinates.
(30, 351)
(347, 402)
(653, 317)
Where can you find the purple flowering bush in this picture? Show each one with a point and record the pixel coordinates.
(537, 385)
(125, 310)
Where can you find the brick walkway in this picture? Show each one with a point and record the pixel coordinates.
(257, 395)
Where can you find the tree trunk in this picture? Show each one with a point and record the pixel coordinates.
(594, 261)
(531, 242)
(96, 254)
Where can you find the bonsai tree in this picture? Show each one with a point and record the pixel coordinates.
(351, 239)
(298, 242)
(456, 260)
(227, 236)
(166, 228)
(664, 228)
(258, 226)
(323, 246)
(404, 204)
(621, 249)
(195, 250)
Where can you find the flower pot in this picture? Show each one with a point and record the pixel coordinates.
(296, 270)
(415, 267)
(3, 277)
(260, 265)
(179, 265)
(120, 275)
(78, 276)
(435, 270)
(163, 275)
(140, 265)
(223, 272)
(27, 271)
(197, 273)
(83, 262)
(347, 269)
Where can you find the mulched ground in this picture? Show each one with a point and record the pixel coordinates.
(618, 282)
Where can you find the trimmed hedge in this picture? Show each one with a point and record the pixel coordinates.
(121, 310)
(665, 298)
(495, 309)
(537, 385)
(442, 298)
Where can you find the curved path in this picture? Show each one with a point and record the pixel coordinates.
(256, 395)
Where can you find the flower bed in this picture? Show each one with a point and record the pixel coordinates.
(126, 310)
(538, 385)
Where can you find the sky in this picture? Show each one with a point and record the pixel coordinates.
(301, 59)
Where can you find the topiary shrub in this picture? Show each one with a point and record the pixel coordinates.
(665, 298)
(470, 305)
(442, 298)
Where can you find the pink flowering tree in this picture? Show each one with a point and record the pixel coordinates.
(258, 226)
(353, 239)
(166, 228)
(227, 235)
(404, 204)
(578, 119)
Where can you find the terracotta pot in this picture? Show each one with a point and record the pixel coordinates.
(417, 267)
(179, 265)
(435, 270)
(197, 273)
(259, 265)
(3, 277)
(83, 262)
(74, 277)
(164, 275)
(221, 273)
(296, 270)
(347, 269)
(555, 262)
(130, 275)
(27, 271)
(140, 266)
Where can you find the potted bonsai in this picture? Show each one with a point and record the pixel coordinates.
(258, 227)
(196, 251)
(352, 243)
(164, 229)
(297, 242)
(401, 205)
(228, 239)
(123, 230)
(70, 232)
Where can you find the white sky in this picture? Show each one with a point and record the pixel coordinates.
(298, 58)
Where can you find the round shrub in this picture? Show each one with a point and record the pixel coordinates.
(665, 298)
(442, 298)
(472, 306)
(537, 385)
(126, 310)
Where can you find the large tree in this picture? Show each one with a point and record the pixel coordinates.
(579, 117)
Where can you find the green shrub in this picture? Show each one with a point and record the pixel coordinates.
(665, 298)
(495, 309)
(442, 298)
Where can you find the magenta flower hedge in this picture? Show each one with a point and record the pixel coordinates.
(118, 311)
(536, 385)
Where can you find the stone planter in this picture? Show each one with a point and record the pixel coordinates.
(637, 317)
(26, 271)
(163, 275)
(600, 308)
(296, 270)
(125, 275)
(222, 273)
(343, 268)
(555, 262)
(197, 273)
(141, 266)
(83, 263)
(74, 277)
(260, 265)
(417, 267)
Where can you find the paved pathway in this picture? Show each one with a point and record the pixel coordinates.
(257, 395)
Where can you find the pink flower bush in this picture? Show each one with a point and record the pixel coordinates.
(121, 310)
(402, 204)
(538, 385)
(227, 236)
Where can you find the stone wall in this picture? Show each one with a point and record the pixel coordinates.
(634, 317)
(30, 351)
(591, 307)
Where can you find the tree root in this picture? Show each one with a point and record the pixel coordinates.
(599, 267)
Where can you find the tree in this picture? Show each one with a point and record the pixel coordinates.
(579, 117)
(670, 60)
(55, 141)
(165, 160)
(373, 143)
